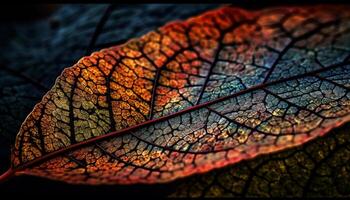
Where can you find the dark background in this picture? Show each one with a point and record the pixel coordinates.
(37, 41)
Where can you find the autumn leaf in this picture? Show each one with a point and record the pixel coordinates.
(192, 96)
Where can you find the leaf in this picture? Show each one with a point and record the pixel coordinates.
(192, 96)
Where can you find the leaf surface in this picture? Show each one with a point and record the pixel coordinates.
(192, 96)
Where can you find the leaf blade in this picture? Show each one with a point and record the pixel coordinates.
(207, 123)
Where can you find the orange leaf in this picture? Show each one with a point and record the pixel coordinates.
(192, 96)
